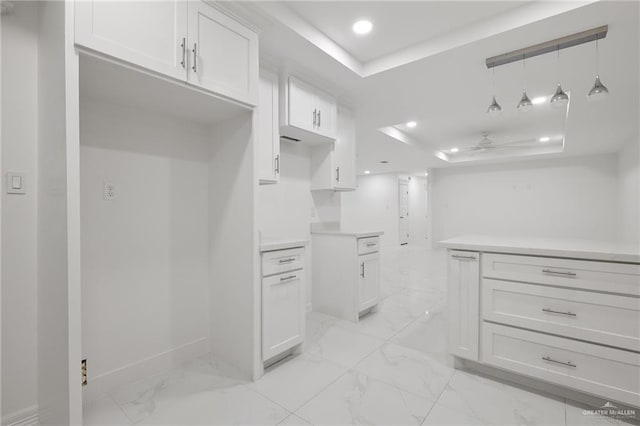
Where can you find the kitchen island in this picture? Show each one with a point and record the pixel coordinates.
(566, 312)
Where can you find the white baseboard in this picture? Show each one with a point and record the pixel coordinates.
(108, 382)
(25, 417)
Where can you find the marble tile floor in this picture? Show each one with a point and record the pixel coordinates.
(392, 368)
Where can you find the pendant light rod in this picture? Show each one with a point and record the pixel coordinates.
(548, 46)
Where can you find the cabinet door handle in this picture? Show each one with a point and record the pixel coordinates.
(288, 260)
(319, 118)
(457, 256)
(568, 363)
(551, 271)
(371, 244)
(290, 277)
(551, 311)
(314, 117)
(195, 57)
(338, 174)
(362, 269)
(277, 164)
(184, 53)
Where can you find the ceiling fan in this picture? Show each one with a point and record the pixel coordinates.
(487, 144)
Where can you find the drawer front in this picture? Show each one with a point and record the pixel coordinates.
(610, 373)
(368, 245)
(603, 318)
(582, 274)
(279, 261)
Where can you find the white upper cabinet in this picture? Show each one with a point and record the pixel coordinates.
(344, 152)
(326, 115)
(223, 54)
(186, 40)
(307, 113)
(333, 166)
(123, 29)
(268, 132)
(303, 113)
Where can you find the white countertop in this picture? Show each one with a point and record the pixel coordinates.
(333, 228)
(557, 247)
(349, 233)
(270, 244)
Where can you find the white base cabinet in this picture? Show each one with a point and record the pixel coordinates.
(464, 299)
(346, 274)
(569, 322)
(283, 301)
(190, 41)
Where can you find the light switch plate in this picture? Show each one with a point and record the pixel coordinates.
(15, 183)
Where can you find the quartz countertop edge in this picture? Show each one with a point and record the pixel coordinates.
(275, 244)
(567, 248)
(348, 233)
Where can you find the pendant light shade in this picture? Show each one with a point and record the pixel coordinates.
(525, 103)
(560, 98)
(494, 109)
(599, 90)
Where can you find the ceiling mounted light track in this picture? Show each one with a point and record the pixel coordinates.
(548, 46)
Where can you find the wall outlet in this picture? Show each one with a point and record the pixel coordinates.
(109, 191)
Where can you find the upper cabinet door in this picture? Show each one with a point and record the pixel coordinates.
(302, 110)
(149, 34)
(268, 132)
(223, 54)
(344, 151)
(327, 115)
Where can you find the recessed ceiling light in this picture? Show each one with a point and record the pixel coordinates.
(544, 139)
(366, 172)
(426, 173)
(362, 27)
(454, 150)
(539, 100)
(411, 124)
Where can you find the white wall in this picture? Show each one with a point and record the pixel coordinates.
(145, 253)
(19, 219)
(572, 197)
(374, 205)
(629, 192)
(285, 209)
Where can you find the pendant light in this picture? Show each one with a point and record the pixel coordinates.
(494, 108)
(599, 90)
(559, 98)
(525, 103)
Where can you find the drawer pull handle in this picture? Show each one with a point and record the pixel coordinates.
(551, 271)
(289, 260)
(290, 277)
(568, 363)
(551, 311)
(371, 244)
(457, 256)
